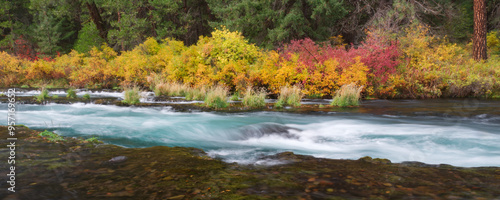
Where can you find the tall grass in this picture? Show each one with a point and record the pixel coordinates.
(71, 93)
(196, 93)
(216, 97)
(289, 96)
(171, 89)
(347, 95)
(254, 99)
(43, 96)
(132, 96)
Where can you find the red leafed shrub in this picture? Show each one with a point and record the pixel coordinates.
(378, 54)
(24, 49)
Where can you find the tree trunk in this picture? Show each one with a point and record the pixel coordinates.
(97, 19)
(479, 40)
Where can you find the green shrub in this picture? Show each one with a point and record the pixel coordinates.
(216, 97)
(289, 96)
(53, 137)
(71, 93)
(132, 96)
(25, 86)
(86, 96)
(347, 95)
(254, 99)
(44, 95)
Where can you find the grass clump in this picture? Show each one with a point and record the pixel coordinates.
(289, 96)
(347, 95)
(235, 97)
(51, 136)
(196, 93)
(254, 99)
(216, 97)
(43, 96)
(132, 96)
(171, 89)
(71, 93)
(86, 96)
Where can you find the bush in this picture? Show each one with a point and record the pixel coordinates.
(132, 96)
(86, 96)
(71, 93)
(44, 95)
(289, 96)
(216, 97)
(347, 95)
(254, 99)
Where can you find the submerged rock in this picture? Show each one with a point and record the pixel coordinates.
(118, 159)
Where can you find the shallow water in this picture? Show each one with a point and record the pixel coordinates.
(458, 132)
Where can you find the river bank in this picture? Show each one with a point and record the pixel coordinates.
(75, 169)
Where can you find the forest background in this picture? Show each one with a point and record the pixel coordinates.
(395, 48)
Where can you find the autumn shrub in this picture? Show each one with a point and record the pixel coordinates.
(347, 95)
(289, 96)
(433, 67)
(132, 96)
(11, 70)
(217, 97)
(253, 98)
(96, 70)
(493, 42)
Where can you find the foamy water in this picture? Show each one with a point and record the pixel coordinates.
(248, 137)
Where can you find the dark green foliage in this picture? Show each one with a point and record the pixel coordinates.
(50, 26)
(269, 23)
(88, 37)
(86, 96)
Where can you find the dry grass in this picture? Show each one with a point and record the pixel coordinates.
(217, 97)
(254, 99)
(289, 96)
(347, 95)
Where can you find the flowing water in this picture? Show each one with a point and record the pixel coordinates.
(457, 132)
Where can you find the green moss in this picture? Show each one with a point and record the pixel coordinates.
(51, 136)
(86, 96)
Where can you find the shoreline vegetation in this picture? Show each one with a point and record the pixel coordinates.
(417, 65)
(88, 169)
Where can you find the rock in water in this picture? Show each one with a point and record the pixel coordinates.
(118, 159)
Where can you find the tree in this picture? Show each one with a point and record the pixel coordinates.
(269, 23)
(480, 28)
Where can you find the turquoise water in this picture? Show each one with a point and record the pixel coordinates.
(457, 132)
